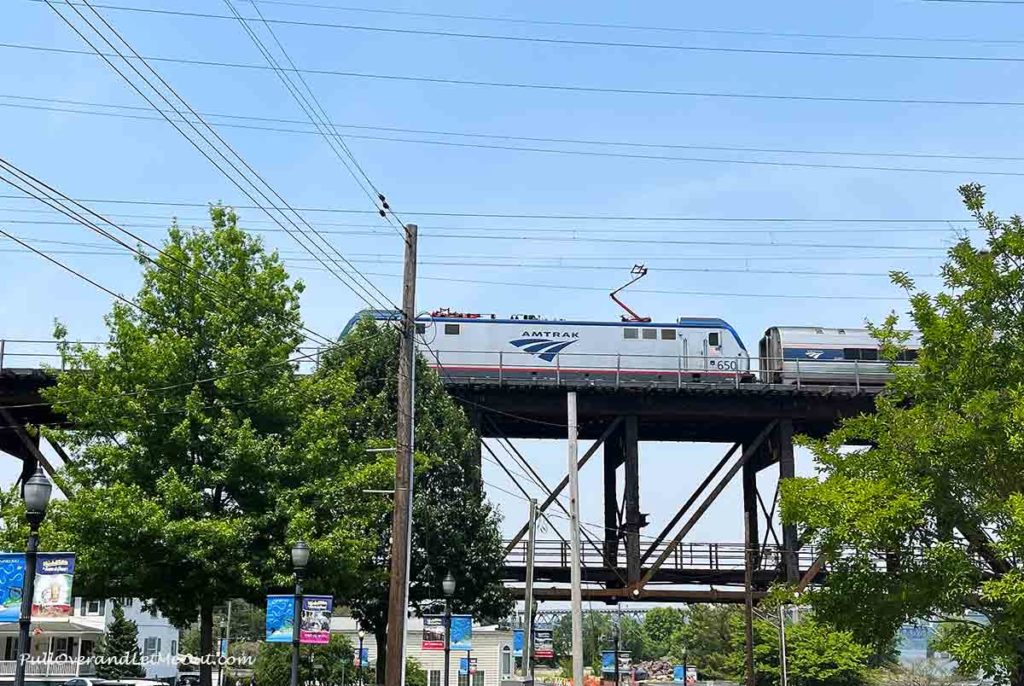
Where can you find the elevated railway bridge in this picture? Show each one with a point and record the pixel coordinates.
(754, 420)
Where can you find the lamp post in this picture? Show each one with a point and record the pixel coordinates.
(300, 558)
(37, 496)
(448, 586)
(359, 660)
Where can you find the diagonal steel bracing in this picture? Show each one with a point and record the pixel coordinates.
(748, 453)
(565, 481)
(688, 504)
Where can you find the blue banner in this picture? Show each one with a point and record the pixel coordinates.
(679, 674)
(462, 632)
(467, 665)
(280, 618)
(12, 578)
(517, 643)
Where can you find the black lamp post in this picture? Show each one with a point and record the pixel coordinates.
(359, 660)
(448, 586)
(300, 558)
(37, 496)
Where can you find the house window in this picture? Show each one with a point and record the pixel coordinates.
(87, 648)
(93, 608)
(451, 329)
(478, 678)
(714, 339)
(668, 334)
(434, 677)
(630, 334)
(421, 328)
(463, 680)
(650, 334)
(506, 661)
(151, 646)
(11, 648)
(174, 647)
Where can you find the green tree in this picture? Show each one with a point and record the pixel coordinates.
(816, 655)
(350, 407)
(178, 429)
(939, 496)
(597, 636)
(663, 632)
(118, 649)
(710, 640)
(331, 663)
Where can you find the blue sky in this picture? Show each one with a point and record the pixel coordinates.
(102, 157)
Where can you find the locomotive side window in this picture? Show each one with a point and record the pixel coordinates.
(451, 329)
(630, 334)
(668, 334)
(421, 328)
(870, 354)
(851, 353)
(714, 339)
(650, 334)
(907, 356)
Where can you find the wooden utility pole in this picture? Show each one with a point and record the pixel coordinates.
(401, 523)
(531, 548)
(574, 540)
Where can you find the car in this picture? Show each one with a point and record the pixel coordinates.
(83, 681)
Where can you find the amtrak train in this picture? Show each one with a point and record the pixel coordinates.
(524, 348)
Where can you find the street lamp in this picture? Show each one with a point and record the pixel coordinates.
(36, 492)
(300, 558)
(448, 586)
(362, 635)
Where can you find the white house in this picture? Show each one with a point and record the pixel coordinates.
(492, 650)
(59, 648)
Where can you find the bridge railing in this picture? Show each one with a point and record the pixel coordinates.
(521, 367)
(25, 353)
(518, 367)
(686, 556)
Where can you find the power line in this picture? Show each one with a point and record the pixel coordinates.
(315, 112)
(661, 29)
(953, 230)
(53, 198)
(563, 216)
(467, 261)
(617, 155)
(262, 188)
(567, 42)
(499, 136)
(569, 88)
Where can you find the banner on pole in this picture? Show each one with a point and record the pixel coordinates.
(433, 632)
(608, 661)
(361, 657)
(315, 628)
(543, 643)
(52, 597)
(12, 578)
(517, 643)
(467, 666)
(462, 632)
(280, 618)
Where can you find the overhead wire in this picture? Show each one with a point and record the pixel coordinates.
(263, 189)
(76, 211)
(601, 153)
(570, 88)
(497, 136)
(569, 42)
(467, 261)
(652, 28)
(317, 115)
(564, 216)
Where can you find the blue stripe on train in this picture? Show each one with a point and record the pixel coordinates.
(812, 354)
